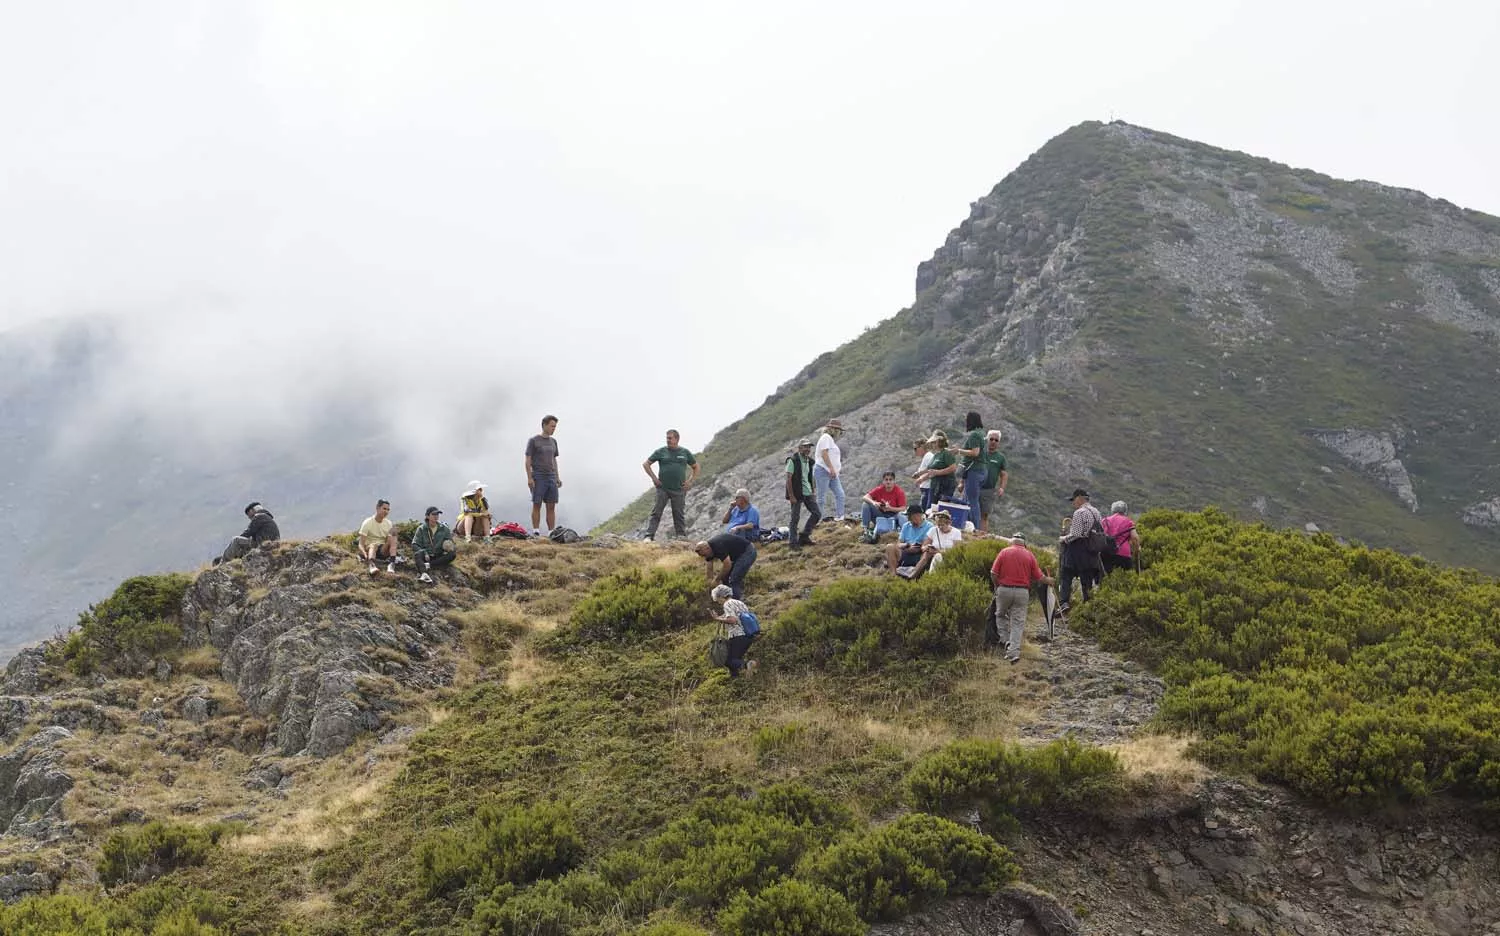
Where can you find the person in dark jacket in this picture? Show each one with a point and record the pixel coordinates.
(433, 544)
(262, 529)
(799, 493)
(734, 557)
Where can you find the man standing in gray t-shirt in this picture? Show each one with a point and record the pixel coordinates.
(541, 475)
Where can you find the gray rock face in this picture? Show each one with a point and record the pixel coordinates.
(19, 884)
(1483, 514)
(1375, 454)
(23, 674)
(296, 652)
(32, 784)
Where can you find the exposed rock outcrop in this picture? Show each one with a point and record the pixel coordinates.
(300, 646)
(1483, 514)
(32, 785)
(1375, 454)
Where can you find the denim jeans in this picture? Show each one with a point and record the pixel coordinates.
(737, 570)
(825, 482)
(973, 481)
(737, 649)
(869, 514)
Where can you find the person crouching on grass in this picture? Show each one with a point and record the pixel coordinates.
(739, 641)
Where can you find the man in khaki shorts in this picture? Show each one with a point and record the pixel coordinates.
(377, 539)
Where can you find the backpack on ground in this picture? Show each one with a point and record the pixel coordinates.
(750, 623)
(563, 535)
(511, 529)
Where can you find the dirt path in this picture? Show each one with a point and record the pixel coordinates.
(1078, 689)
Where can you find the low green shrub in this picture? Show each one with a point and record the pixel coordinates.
(857, 625)
(1002, 779)
(1345, 672)
(140, 620)
(501, 846)
(670, 928)
(634, 602)
(139, 853)
(791, 908)
(974, 558)
(890, 871)
(547, 908)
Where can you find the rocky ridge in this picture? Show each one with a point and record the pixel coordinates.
(1151, 317)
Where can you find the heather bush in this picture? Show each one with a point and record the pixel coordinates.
(1002, 779)
(139, 853)
(857, 625)
(791, 908)
(634, 602)
(890, 871)
(1342, 671)
(514, 846)
(140, 620)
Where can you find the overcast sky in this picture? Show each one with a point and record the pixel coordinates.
(632, 215)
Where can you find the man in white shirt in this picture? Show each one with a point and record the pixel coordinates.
(827, 466)
(377, 539)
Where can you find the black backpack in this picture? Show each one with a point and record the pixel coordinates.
(563, 535)
(1098, 542)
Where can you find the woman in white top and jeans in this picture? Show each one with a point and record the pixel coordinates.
(926, 486)
(942, 537)
(739, 641)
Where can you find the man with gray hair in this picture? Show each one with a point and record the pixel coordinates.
(742, 519)
(799, 493)
(995, 478)
(1014, 573)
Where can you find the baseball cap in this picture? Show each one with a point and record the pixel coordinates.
(431, 511)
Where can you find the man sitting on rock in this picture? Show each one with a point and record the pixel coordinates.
(433, 544)
(881, 512)
(742, 519)
(906, 557)
(262, 529)
(735, 556)
(377, 541)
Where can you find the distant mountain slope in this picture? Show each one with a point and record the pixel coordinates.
(1175, 324)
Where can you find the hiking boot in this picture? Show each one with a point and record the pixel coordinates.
(374, 569)
(805, 540)
(750, 667)
(424, 577)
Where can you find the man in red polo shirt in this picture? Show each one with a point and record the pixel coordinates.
(887, 502)
(1014, 572)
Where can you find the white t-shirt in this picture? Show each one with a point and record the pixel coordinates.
(940, 541)
(835, 457)
(926, 461)
(733, 607)
(376, 530)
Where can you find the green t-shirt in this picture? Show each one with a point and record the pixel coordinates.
(974, 440)
(941, 460)
(672, 466)
(994, 463)
(807, 469)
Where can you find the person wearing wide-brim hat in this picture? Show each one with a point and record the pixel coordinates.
(940, 471)
(475, 511)
(828, 465)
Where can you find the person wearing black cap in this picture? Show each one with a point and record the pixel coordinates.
(262, 529)
(433, 544)
(1077, 562)
(799, 493)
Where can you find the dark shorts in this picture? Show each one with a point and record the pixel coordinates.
(544, 490)
(909, 558)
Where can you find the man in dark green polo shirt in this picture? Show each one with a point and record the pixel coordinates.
(677, 469)
(995, 478)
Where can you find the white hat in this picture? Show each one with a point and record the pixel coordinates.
(473, 487)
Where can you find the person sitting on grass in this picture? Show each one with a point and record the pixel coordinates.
(742, 519)
(475, 512)
(881, 512)
(906, 557)
(941, 538)
(433, 544)
(735, 556)
(739, 641)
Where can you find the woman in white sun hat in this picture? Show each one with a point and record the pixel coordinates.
(474, 512)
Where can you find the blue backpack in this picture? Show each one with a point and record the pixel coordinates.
(750, 623)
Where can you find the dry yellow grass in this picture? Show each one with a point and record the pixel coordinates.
(199, 661)
(1162, 762)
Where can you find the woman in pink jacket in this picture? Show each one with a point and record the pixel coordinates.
(1127, 540)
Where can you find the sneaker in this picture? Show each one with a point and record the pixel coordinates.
(649, 538)
(399, 560)
(750, 667)
(468, 538)
(805, 540)
(374, 569)
(1064, 609)
(424, 577)
(390, 568)
(1013, 659)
